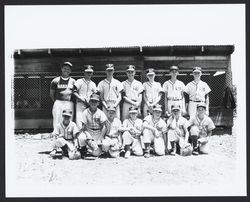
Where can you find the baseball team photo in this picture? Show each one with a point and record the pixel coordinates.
(108, 106)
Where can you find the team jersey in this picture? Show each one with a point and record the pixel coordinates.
(204, 125)
(160, 125)
(152, 90)
(85, 88)
(68, 132)
(93, 121)
(182, 123)
(61, 86)
(132, 89)
(174, 90)
(137, 124)
(197, 91)
(109, 91)
(114, 126)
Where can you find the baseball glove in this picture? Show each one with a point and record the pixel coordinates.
(186, 150)
(74, 154)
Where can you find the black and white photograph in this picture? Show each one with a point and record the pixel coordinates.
(125, 100)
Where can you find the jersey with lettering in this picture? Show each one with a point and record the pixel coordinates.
(137, 124)
(85, 88)
(197, 91)
(61, 85)
(182, 124)
(132, 89)
(160, 125)
(174, 90)
(94, 121)
(69, 132)
(152, 90)
(204, 125)
(109, 91)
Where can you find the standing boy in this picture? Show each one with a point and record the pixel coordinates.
(61, 89)
(132, 92)
(152, 92)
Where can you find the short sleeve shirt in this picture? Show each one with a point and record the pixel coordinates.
(182, 123)
(152, 90)
(114, 126)
(174, 90)
(132, 89)
(93, 121)
(110, 90)
(68, 132)
(160, 125)
(85, 88)
(137, 124)
(60, 86)
(197, 91)
(204, 125)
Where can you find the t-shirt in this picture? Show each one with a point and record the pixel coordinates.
(68, 132)
(174, 90)
(85, 88)
(152, 90)
(132, 89)
(93, 121)
(109, 91)
(160, 125)
(204, 125)
(197, 91)
(63, 88)
(182, 123)
(114, 126)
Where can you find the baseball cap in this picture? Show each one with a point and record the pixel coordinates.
(130, 68)
(197, 69)
(88, 68)
(202, 105)
(94, 96)
(67, 112)
(150, 71)
(175, 107)
(157, 107)
(133, 109)
(173, 68)
(111, 108)
(110, 67)
(68, 64)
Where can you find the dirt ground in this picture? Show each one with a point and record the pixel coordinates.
(34, 167)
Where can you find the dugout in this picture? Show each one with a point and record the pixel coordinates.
(35, 69)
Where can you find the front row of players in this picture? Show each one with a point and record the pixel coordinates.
(101, 134)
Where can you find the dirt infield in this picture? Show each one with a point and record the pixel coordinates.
(35, 166)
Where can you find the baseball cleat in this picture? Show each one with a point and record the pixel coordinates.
(52, 153)
(127, 154)
(147, 155)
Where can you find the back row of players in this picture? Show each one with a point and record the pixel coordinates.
(110, 92)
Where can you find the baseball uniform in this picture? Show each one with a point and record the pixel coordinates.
(197, 93)
(84, 88)
(132, 90)
(133, 139)
(174, 94)
(149, 137)
(63, 90)
(152, 92)
(109, 92)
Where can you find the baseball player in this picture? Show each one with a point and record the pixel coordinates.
(177, 129)
(152, 92)
(65, 134)
(197, 91)
(112, 141)
(154, 129)
(174, 91)
(132, 128)
(201, 127)
(132, 92)
(94, 125)
(61, 89)
(83, 88)
(110, 91)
